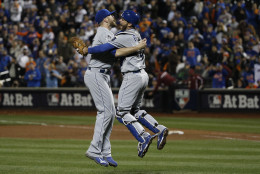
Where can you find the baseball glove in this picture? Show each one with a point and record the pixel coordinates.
(79, 45)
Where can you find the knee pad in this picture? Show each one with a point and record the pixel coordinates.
(133, 126)
(147, 120)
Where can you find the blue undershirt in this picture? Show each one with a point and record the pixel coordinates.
(102, 48)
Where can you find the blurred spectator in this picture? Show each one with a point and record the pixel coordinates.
(40, 65)
(79, 15)
(258, 83)
(33, 76)
(29, 36)
(208, 37)
(188, 31)
(239, 12)
(51, 49)
(251, 85)
(14, 72)
(164, 30)
(65, 50)
(5, 59)
(81, 71)
(191, 55)
(218, 74)
(225, 16)
(214, 56)
(30, 61)
(172, 61)
(187, 8)
(164, 79)
(23, 58)
(234, 23)
(172, 12)
(198, 7)
(16, 11)
(195, 80)
(197, 39)
(47, 35)
(61, 66)
(52, 76)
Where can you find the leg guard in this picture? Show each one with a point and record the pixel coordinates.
(131, 123)
(148, 121)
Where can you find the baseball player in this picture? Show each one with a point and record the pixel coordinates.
(135, 80)
(97, 79)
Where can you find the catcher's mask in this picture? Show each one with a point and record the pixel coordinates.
(102, 14)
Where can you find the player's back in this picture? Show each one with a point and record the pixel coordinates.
(129, 38)
(105, 59)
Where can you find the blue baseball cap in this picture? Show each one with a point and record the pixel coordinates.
(102, 14)
(131, 17)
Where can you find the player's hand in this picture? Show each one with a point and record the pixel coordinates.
(79, 45)
(142, 44)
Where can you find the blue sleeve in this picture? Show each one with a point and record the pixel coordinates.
(26, 76)
(101, 48)
(197, 52)
(224, 72)
(113, 52)
(38, 75)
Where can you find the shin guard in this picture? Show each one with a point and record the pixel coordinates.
(147, 120)
(134, 127)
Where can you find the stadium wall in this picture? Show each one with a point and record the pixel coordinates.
(163, 101)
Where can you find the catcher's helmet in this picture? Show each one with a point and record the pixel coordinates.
(131, 17)
(102, 14)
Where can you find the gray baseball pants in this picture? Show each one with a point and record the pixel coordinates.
(99, 86)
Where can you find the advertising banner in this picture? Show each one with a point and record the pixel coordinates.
(229, 100)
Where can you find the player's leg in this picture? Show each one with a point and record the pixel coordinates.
(106, 150)
(129, 89)
(147, 120)
(144, 138)
(99, 90)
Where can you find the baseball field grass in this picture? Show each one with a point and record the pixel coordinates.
(180, 156)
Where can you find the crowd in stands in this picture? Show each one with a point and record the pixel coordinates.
(196, 43)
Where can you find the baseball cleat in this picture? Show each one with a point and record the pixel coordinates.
(111, 161)
(143, 147)
(162, 139)
(98, 160)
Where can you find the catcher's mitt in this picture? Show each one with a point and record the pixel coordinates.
(79, 45)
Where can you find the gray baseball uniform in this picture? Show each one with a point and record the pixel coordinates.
(131, 92)
(130, 96)
(97, 79)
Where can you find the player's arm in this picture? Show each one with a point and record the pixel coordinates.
(115, 51)
(126, 51)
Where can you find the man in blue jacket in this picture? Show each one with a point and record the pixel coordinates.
(33, 76)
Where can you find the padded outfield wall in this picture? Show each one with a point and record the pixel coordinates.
(181, 99)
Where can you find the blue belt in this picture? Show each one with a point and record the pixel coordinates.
(137, 71)
(104, 71)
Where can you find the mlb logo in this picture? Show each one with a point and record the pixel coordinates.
(215, 100)
(182, 97)
(53, 99)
